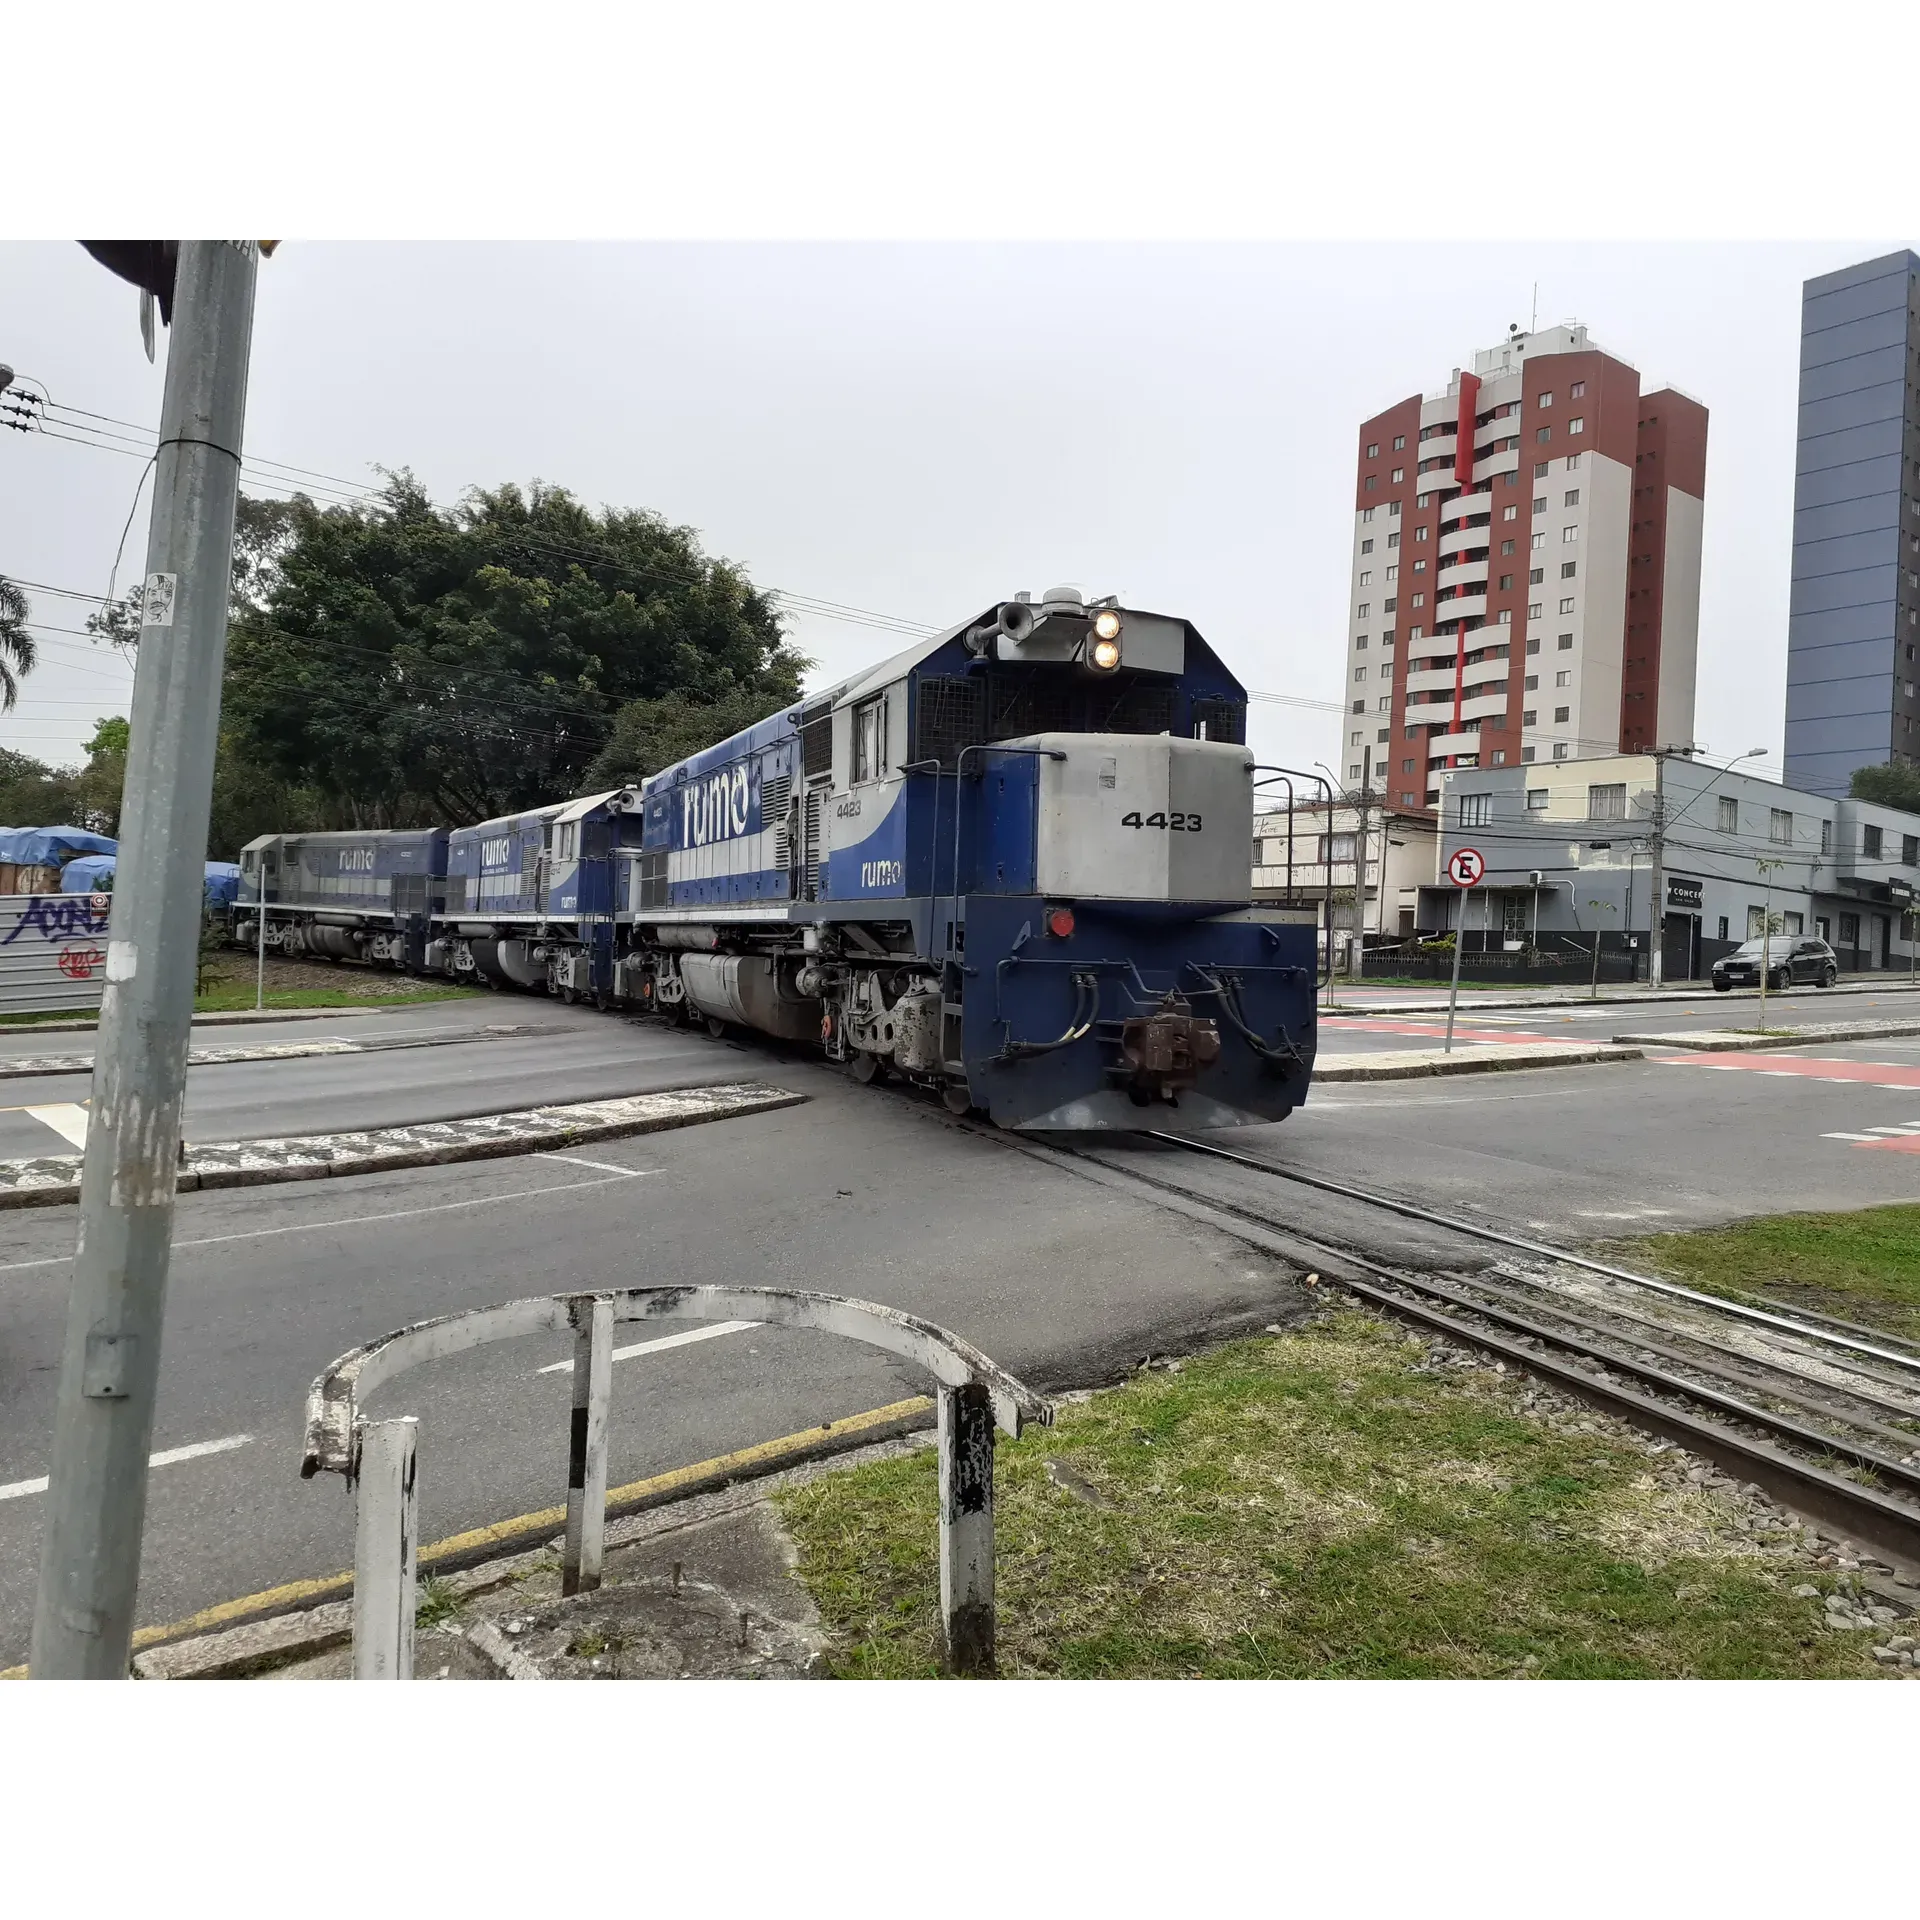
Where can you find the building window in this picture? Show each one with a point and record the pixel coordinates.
(1575, 391)
(1420, 533)
(1373, 483)
(1826, 838)
(1476, 809)
(1506, 583)
(1573, 496)
(1359, 673)
(1414, 633)
(1565, 641)
(1526, 754)
(1393, 509)
(1576, 425)
(1393, 540)
(1568, 568)
(1399, 474)
(1910, 849)
(1566, 606)
(1561, 715)
(1530, 683)
(1568, 535)
(1564, 678)
(1354, 771)
(1539, 540)
(1386, 703)
(1870, 842)
(1386, 639)
(1536, 799)
(1545, 400)
(1849, 928)
(1366, 546)
(1506, 547)
(1543, 433)
(1559, 749)
(1354, 739)
(1399, 441)
(1360, 643)
(1573, 460)
(1500, 756)
(1529, 718)
(1359, 706)
(1408, 800)
(1509, 513)
(1363, 610)
(1506, 616)
(1420, 501)
(1792, 923)
(1607, 803)
(1536, 576)
(1366, 516)
(1393, 573)
(1406, 766)
(1780, 827)
(1723, 928)
(1729, 814)
(1373, 450)
(1366, 579)
(1533, 645)
(1419, 600)
(1540, 469)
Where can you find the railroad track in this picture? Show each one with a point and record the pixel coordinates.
(1822, 1414)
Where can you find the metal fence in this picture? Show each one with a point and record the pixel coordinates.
(378, 1458)
(53, 951)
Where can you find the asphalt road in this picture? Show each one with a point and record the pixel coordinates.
(863, 1190)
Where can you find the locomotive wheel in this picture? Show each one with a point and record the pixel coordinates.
(866, 1068)
(568, 996)
(716, 1026)
(958, 1099)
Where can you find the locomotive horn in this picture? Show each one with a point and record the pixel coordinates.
(1010, 620)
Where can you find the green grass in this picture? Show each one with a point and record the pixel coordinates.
(1318, 1504)
(1861, 1266)
(438, 1602)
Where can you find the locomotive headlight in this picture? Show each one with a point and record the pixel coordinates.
(1106, 624)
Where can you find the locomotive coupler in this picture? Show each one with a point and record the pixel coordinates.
(1166, 1049)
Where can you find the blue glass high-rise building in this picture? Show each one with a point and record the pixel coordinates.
(1854, 626)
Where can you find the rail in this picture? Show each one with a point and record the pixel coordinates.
(378, 1458)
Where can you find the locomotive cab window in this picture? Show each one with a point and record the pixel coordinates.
(870, 739)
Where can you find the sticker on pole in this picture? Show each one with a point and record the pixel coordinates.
(1466, 867)
(156, 608)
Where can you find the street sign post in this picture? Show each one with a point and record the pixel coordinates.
(1465, 868)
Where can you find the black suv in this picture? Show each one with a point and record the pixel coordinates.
(1787, 958)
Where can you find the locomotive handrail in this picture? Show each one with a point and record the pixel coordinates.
(377, 1458)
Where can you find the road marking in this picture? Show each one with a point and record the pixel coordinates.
(67, 1119)
(366, 1219)
(171, 1457)
(1865, 1138)
(1907, 1143)
(1845, 1073)
(600, 1166)
(503, 1531)
(686, 1339)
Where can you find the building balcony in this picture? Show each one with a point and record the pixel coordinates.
(1486, 705)
(1444, 745)
(1435, 680)
(1508, 462)
(1465, 539)
(1466, 572)
(1485, 673)
(1463, 606)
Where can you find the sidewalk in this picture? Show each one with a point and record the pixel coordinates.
(1523, 999)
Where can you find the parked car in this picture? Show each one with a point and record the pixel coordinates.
(1786, 957)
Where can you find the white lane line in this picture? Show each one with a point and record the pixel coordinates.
(362, 1219)
(686, 1339)
(171, 1457)
(1867, 1137)
(1906, 1129)
(68, 1120)
(600, 1166)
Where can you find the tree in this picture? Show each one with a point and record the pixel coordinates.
(98, 785)
(1893, 785)
(410, 663)
(650, 734)
(17, 650)
(33, 794)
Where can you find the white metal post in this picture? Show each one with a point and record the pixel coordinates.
(965, 1420)
(584, 1550)
(1459, 941)
(385, 1550)
(260, 965)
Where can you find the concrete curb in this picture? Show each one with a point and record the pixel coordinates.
(56, 1179)
(34, 1066)
(1731, 1040)
(236, 1019)
(1478, 1059)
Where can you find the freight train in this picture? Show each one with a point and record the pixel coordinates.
(1010, 865)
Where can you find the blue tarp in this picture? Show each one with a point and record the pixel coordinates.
(50, 846)
(93, 873)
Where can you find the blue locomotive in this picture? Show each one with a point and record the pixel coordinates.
(1010, 864)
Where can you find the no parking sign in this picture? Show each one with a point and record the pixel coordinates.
(1466, 868)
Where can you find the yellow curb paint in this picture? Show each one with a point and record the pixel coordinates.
(502, 1531)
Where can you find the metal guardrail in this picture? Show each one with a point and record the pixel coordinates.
(53, 951)
(378, 1458)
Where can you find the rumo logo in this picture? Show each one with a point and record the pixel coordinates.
(881, 873)
(715, 808)
(495, 853)
(356, 860)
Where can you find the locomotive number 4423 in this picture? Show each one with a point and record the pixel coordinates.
(1172, 822)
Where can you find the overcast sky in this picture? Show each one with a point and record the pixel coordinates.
(921, 428)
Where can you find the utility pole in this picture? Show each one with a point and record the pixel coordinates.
(109, 1368)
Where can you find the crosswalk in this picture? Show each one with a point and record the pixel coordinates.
(1904, 1138)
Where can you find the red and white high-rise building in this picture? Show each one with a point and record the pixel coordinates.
(1526, 568)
